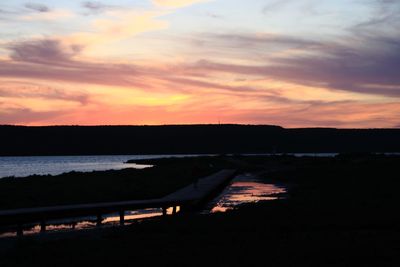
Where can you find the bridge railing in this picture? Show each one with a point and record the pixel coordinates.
(184, 198)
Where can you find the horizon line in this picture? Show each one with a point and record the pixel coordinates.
(194, 124)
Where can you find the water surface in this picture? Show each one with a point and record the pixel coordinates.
(244, 188)
(89, 222)
(54, 165)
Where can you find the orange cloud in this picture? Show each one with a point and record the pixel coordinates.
(318, 93)
(119, 26)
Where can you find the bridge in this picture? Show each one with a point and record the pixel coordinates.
(188, 198)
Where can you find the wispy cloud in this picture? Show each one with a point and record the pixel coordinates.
(26, 116)
(147, 62)
(370, 68)
(386, 15)
(43, 51)
(364, 70)
(275, 5)
(21, 90)
(96, 7)
(49, 59)
(37, 7)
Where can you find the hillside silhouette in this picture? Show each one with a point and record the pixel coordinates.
(182, 139)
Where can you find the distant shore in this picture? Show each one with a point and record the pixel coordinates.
(191, 139)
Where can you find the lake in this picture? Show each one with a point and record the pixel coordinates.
(25, 166)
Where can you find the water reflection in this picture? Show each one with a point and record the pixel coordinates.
(245, 189)
(90, 222)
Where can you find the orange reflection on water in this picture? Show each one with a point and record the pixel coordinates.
(241, 192)
(8, 234)
(111, 219)
(170, 210)
(149, 213)
(253, 191)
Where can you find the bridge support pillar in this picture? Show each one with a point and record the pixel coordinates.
(99, 220)
(174, 210)
(164, 211)
(122, 217)
(43, 226)
(20, 230)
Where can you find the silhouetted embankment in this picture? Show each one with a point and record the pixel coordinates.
(189, 139)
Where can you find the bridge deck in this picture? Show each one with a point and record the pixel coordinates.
(188, 196)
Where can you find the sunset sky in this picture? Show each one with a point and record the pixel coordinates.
(294, 63)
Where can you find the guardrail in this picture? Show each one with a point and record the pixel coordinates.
(187, 198)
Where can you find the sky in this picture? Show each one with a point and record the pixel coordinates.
(294, 63)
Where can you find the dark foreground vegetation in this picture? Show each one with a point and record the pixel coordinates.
(189, 139)
(341, 211)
